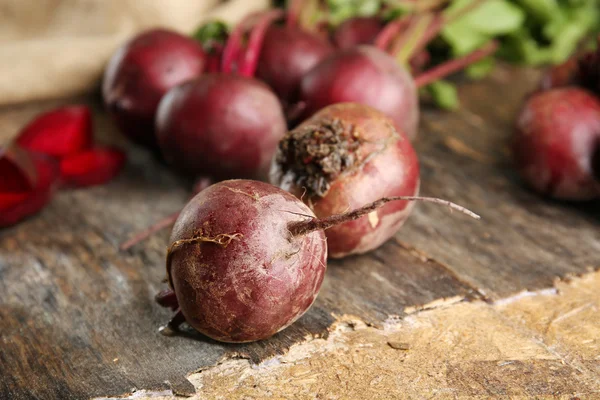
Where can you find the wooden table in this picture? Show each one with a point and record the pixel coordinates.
(77, 316)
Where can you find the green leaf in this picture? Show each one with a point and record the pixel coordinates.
(444, 94)
(210, 33)
(491, 18)
(481, 69)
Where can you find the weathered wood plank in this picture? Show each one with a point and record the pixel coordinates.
(77, 317)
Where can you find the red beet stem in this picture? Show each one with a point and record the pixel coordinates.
(315, 224)
(441, 71)
(199, 186)
(293, 14)
(255, 43)
(234, 46)
(146, 233)
(390, 31)
(434, 28)
(404, 47)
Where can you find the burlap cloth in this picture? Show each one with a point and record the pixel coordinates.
(58, 48)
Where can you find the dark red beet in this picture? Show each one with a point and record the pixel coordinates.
(288, 53)
(59, 133)
(220, 125)
(557, 142)
(345, 156)
(365, 75)
(237, 272)
(18, 203)
(91, 167)
(141, 72)
(357, 31)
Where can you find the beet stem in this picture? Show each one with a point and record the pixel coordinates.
(316, 224)
(393, 28)
(139, 237)
(255, 43)
(441, 71)
(146, 233)
(233, 47)
(405, 46)
(431, 32)
(451, 17)
(293, 13)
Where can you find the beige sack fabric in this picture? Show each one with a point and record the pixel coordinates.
(58, 48)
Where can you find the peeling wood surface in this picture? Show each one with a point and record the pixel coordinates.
(77, 317)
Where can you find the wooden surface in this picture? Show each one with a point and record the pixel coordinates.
(78, 320)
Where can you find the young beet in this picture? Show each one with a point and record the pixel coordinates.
(557, 143)
(357, 31)
(247, 259)
(370, 75)
(288, 53)
(223, 125)
(345, 156)
(141, 72)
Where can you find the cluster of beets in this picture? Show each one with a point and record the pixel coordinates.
(56, 150)
(557, 142)
(247, 258)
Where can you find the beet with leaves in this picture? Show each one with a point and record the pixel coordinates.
(227, 124)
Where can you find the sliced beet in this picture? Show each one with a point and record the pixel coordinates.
(17, 170)
(59, 133)
(16, 206)
(92, 167)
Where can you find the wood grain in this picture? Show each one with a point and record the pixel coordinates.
(77, 317)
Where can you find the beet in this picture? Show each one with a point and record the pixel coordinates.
(345, 156)
(220, 125)
(288, 53)
(237, 273)
(141, 72)
(247, 259)
(557, 143)
(357, 31)
(365, 75)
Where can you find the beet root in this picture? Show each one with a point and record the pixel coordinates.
(220, 125)
(357, 31)
(288, 53)
(237, 272)
(345, 156)
(557, 143)
(141, 72)
(365, 75)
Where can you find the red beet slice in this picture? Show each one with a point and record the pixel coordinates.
(17, 170)
(92, 167)
(59, 133)
(16, 206)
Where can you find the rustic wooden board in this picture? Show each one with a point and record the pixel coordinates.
(77, 317)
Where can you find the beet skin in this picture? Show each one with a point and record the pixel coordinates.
(366, 75)
(288, 53)
(238, 273)
(557, 143)
(345, 156)
(357, 31)
(141, 72)
(220, 125)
